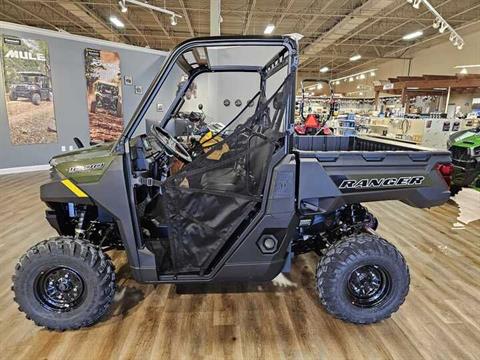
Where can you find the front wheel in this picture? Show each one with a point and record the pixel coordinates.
(362, 279)
(64, 284)
(36, 99)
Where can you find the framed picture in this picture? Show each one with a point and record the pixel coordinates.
(29, 91)
(104, 94)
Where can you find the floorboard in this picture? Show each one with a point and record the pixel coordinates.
(280, 320)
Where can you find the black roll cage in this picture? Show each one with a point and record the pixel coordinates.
(287, 56)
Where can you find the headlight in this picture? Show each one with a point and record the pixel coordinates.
(476, 151)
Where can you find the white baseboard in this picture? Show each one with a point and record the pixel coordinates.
(21, 169)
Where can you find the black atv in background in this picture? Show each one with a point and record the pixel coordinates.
(32, 85)
(239, 208)
(107, 97)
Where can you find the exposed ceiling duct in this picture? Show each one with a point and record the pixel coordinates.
(343, 28)
(94, 21)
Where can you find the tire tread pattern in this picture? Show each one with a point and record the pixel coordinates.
(95, 258)
(339, 255)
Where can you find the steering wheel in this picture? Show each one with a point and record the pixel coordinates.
(171, 144)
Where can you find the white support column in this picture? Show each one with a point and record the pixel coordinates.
(215, 6)
(448, 100)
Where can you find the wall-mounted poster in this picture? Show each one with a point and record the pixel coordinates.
(104, 94)
(28, 91)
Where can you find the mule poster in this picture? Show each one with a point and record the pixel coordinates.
(28, 91)
(104, 95)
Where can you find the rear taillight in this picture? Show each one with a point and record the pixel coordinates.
(446, 170)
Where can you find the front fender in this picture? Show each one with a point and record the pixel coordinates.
(64, 191)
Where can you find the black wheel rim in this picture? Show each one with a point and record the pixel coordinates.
(368, 286)
(60, 289)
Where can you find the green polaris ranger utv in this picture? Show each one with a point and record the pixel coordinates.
(465, 148)
(232, 203)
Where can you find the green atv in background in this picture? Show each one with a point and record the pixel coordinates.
(465, 149)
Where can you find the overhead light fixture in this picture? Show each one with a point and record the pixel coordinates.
(116, 22)
(467, 66)
(355, 57)
(360, 75)
(464, 71)
(350, 79)
(324, 69)
(440, 23)
(416, 4)
(319, 86)
(337, 82)
(173, 20)
(269, 29)
(145, 4)
(443, 27)
(413, 35)
(123, 6)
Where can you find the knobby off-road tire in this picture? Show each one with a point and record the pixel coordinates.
(64, 284)
(36, 99)
(362, 279)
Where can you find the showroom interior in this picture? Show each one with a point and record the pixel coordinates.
(248, 179)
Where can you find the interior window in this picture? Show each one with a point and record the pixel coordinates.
(216, 99)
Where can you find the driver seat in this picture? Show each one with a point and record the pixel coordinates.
(223, 179)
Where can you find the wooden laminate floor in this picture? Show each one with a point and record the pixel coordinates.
(439, 320)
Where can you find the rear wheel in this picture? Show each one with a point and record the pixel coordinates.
(64, 283)
(362, 279)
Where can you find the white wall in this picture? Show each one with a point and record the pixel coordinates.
(69, 86)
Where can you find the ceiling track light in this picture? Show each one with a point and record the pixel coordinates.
(123, 6)
(440, 23)
(173, 18)
(359, 76)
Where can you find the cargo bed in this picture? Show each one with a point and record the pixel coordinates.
(336, 170)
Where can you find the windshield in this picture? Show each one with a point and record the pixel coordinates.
(212, 82)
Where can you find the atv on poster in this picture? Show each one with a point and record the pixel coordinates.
(28, 90)
(104, 94)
